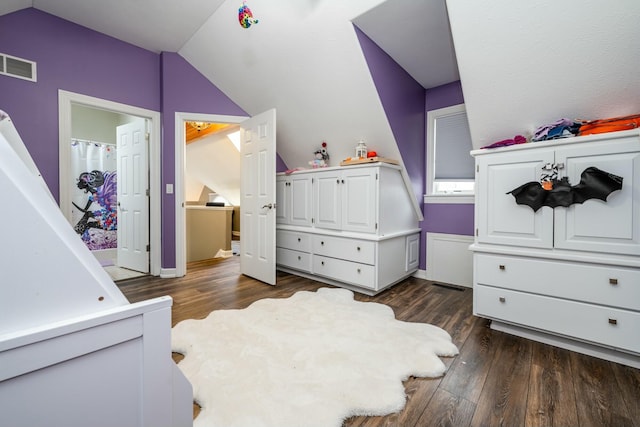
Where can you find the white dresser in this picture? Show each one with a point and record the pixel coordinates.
(350, 226)
(567, 276)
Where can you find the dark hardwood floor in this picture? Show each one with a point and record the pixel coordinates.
(496, 380)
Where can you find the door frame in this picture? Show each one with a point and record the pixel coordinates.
(179, 190)
(65, 101)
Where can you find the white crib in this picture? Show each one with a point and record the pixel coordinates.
(73, 350)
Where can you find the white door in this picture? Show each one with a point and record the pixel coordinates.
(258, 197)
(133, 198)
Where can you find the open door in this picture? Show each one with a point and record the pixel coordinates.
(133, 196)
(258, 197)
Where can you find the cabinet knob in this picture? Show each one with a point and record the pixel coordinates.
(613, 321)
(322, 262)
(342, 182)
(502, 299)
(501, 267)
(358, 270)
(298, 239)
(299, 257)
(321, 243)
(337, 181)
(613, 281)
(358, 248)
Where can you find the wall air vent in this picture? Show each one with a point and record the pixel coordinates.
(17, 67)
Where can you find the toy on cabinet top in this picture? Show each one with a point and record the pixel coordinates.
(320, 157)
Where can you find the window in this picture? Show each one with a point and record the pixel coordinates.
(450, 167)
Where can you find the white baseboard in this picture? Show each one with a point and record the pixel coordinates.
(420, 274)
(167, 273)
(449, 259)
(224, 253)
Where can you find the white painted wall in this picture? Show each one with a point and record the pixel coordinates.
(303, 59)
(525, 64)
(215, 162)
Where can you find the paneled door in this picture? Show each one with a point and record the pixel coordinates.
(133, 196)
(258, 197)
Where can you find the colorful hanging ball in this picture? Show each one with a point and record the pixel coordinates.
(245, 17)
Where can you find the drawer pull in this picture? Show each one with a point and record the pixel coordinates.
(613, 281)
(613, 321)
(501, 267)
(502, 299)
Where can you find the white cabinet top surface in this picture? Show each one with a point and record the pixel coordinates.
(560, 142)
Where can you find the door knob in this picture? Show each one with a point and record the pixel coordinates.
(269, 206)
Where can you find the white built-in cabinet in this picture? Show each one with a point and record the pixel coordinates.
(568, 276)
(351, 226)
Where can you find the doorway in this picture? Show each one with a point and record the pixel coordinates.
(182, 183)
(76, 106)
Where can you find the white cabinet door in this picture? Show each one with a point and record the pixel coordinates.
(300, 200)
(294, 200)
(359, 201)
(283, 200)
(611, 226)
(327, 200)
(499, 219)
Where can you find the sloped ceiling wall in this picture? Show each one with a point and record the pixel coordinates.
(525, 64)
(304, 59)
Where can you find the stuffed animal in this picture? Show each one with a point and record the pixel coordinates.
(320, 157)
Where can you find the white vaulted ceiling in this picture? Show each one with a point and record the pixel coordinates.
(302, 58)
(521, 64)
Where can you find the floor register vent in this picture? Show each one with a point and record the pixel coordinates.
(17, 67)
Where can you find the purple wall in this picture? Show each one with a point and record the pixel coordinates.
(183, 89)
(406, 104)
(403, 102)
(79, 60)
(72, 58)
(447, 218)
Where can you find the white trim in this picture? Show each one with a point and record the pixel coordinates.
(452, 199)
(168, 273)
(430, 196)
(180, 154)
(420, 274)
(65, 101)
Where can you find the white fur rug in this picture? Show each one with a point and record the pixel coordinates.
(313, 359)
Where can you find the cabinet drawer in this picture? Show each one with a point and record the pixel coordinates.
(293, 240)
(345, 271)
(613, 286)
(294, 259)
(597, 324)
(361, 251)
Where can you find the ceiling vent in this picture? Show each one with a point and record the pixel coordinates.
(17, 67)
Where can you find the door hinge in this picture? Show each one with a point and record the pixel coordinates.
(477, 168)
(476, 232)
(147, 192)
(312, 220)
(148, 248)
(376, 225)
(376, 176)
(147, 136)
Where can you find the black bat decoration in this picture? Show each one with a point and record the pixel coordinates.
(594, 184)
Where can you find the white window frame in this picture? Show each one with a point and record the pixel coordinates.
(459, 194)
